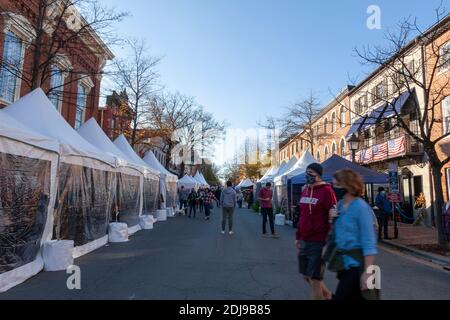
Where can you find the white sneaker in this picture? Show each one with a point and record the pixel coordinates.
(231, 232)
(223, 232)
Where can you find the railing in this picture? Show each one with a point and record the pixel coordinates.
(402, 146)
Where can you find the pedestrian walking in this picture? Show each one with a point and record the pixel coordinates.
(354, 240)
(183, 196)
(240, 198)
(192, 200)
(316, 201)
(228, 200)
(383, 213)
(250, 199)
(265, 200)
(218, 194)
(208, 203)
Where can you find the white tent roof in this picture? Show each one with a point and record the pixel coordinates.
(287, 168)
(269, 173)
(11, 128)
(246, 183)
(37, 112)
(122, 144)
(203, 179)
(151, 160)
(188, 182)
(92, 132)
(301, 165)
(198, 177)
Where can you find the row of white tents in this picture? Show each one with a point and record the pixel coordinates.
(60, 184)
(280, 176)
(195, 182)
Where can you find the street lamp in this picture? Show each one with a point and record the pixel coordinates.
(353, 145)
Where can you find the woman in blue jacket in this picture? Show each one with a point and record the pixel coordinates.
(355, 239)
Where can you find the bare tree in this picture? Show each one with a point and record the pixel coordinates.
(137, 75)
(57, 28)
(183, 125)
(418, 77)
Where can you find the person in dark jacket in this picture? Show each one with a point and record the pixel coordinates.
(383, 212)
(192, 200)
(317, 201)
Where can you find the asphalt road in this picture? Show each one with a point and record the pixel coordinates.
(189, 259)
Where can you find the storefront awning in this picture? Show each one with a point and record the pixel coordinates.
(385, 111)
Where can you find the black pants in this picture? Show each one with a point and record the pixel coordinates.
(349, 287)
(192, 208)
(267, 213)
(383, 223)
(183, 204)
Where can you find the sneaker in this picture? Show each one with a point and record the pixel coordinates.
(223, 232)
(265, 235)
(231, 233)
(275, 236)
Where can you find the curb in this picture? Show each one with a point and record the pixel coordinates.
(440, 261)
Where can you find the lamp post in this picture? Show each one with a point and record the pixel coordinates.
(353, 144)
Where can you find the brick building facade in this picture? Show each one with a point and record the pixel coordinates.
(72, 78)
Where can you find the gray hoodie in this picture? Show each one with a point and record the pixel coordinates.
(228, 198)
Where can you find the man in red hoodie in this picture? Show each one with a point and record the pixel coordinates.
(316, 202)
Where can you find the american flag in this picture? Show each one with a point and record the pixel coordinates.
(380, 152)
(397, 147)
(366, 156)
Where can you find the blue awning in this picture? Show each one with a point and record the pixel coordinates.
(385, 111)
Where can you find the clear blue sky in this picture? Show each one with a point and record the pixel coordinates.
(245, 59)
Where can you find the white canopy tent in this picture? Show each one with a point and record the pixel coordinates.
(282, 171)
(150, 182)
(188, 183)
(270, 173)
(204, 180)
(168, 181)
(300, 167)
(246, 183)
(201, 181)
(83, 171)
(130, 177)
(28, 166)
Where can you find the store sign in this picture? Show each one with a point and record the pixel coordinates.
(394, 184)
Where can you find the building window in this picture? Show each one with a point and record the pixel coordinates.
(342, 147)
(296, 147)
(361, 105)
(446, 115)
(445, 56)
(56, 87)
(325, 126)
(379, 92)
(327, 152)
(342, 119)
(318, 130)
(293, 150)
(333, 122)
(333, 148)
(81, 106)
(11, 68)
(318, 156)
(301, 144)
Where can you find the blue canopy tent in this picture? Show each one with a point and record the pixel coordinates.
(336, 163)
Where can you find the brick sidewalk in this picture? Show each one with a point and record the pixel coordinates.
(411, 235)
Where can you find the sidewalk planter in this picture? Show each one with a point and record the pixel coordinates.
(161, 215)
(146, 222)
(280, 219)
(118, 232)
(58, 255)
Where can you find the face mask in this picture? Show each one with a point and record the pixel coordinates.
(340, 192)
(310, 179)
(383, 193)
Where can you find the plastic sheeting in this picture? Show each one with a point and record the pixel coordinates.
(128, 199)
(84, 203)
(151, 196)
(171, 194)
(24, 201)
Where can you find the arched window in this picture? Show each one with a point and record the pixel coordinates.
(327, 152)
(318, 156)
(333, 122)
(342, 120)
(333, 148)
(342, 147)
(325, 126)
